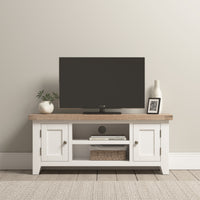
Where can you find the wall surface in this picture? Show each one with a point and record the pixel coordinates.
(34, 34)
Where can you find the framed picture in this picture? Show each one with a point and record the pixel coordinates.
(153, 106)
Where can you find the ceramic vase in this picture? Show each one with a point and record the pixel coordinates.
(46, 107)
(157, 93)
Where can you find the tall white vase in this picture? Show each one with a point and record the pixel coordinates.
(157, 93)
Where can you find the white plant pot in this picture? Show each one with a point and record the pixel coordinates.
(46, 107)
(157, 93)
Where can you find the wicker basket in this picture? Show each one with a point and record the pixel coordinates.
(108, 155)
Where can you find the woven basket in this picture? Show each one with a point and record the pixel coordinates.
(108, 155)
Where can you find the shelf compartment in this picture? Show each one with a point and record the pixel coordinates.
(109, 152)
(84, 131)
(82, 152)
(117, 142)
(103, 163)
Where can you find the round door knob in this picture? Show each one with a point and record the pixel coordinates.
(65, 142)
(136, 142)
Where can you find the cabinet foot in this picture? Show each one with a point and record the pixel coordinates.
(36, 170)
(164, 170)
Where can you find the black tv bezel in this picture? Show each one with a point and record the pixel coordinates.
(98, 106)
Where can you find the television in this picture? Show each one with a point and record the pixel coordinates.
(102, 82)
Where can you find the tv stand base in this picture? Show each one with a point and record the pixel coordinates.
(62, 140)
(102, 113)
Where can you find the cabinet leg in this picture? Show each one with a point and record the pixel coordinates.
(36, 170)
(165, 148)
(36, 159)
(164, 169)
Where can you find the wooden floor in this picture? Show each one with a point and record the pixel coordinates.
(99, 185)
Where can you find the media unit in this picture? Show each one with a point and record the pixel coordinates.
(62, 139)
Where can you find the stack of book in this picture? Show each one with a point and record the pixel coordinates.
(106, 137)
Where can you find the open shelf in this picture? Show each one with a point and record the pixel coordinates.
(98, 163)
(117, 142)
(81, 152)
(85, 131)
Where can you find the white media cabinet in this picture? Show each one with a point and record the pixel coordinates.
(63, 139)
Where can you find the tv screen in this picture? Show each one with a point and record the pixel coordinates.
(90, 82)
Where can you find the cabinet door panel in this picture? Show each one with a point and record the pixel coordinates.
(146, 142)
(54, 137)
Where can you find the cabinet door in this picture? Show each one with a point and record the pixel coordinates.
(54, 142)
(146, 144)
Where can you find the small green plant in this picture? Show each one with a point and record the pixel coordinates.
(47, 96)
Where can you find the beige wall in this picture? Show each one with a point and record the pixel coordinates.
(33, 34)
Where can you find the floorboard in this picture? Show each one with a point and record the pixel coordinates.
(186, 187)
(43, 189)
(15, 190)
(68, 175)
(148, 190)
(48, 175)
(107, 175)
(3, 186)
(161, 177)
(184, 175)
(126, 190)
(195, 173)
(82, 190)
(51, 191)
(87, 175)
(126, 175)
(104, 190)
(27, 193)
(170, 190)
(64, 190)
(145, 175)
(194, 186)
(18, 175)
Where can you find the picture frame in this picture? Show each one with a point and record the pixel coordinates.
(153, 106)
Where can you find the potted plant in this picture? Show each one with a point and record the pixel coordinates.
(46, 106)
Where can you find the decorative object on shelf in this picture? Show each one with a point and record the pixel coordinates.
(157, 93)
(105, 138)
(114, 152)
(46, 106)
(153, 106)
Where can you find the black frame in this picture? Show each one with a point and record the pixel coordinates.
(157, 112)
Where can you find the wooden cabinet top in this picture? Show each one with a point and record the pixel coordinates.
(100, 117)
